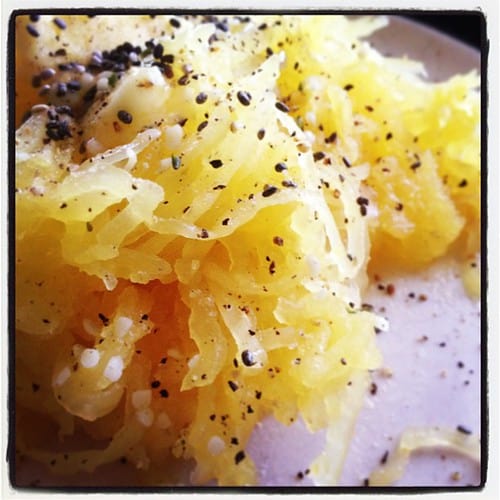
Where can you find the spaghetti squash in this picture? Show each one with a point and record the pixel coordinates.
(197, 202)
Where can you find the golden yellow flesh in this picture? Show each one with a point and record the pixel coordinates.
(171, 290)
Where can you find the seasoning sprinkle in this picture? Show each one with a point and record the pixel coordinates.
(32, 31)
(463, 429)
(244, 97)
(47, 73)
(59, 23)
(233, 385)
(280, 167)
(124, 116)
(260, 134)
(318, 155)
(269, 191)
(158, 51)
(239, 457)
(104, 319)
(176, 162)
(201, 98)
(248, 358)
(281, 106)
(201, 126)
(216, 163)
(331, 138)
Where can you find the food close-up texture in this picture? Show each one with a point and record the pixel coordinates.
(200, 204)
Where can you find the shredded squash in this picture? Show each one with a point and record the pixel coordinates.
(198, 200)
(414, 439)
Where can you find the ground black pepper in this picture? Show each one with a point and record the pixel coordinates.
(281, 106)
(216, 163)
(269, 191)
(463, 429)
(248, 358)
(124, 116)
(32, 30)
(201, 98)
(239, 457)
(244, 97)
(59, 23)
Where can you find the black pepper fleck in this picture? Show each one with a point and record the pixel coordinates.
(281, 106)
(59, 23)
(32, 30)
(244, 97)
(201, 98)
(248, 358)
(269, 191)
(239, 457)
(216, 163)
(124, 116)
(104, 319)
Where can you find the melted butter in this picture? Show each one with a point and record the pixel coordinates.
(471, 278)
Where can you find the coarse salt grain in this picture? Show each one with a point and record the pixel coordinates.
(141, 399)
(62, 376)
(173, 136)
(163, 421)
(165, 163)
(90, 327)
(192, 362)
(77, 349)
(145, 417)
(215, 445)
(89, 358)
(102, 83)
(235, 126)
(114, 368)
(174, 353)
(93, 146)
(110, 281)
(122, 325)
